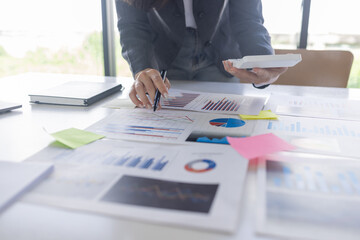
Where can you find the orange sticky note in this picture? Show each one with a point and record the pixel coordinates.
(256, 146)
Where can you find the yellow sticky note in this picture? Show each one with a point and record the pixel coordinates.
(74, 138)
(267, 114)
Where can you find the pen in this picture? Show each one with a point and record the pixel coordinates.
(158, 94)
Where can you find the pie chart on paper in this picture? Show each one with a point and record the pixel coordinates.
(227, 122)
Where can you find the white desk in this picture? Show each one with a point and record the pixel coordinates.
(22, 134)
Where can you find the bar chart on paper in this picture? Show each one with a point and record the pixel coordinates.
(214, 103)
(315, 107)
(313, 127)
(313, 177)
(118, 156)
(179, 100)
(143, 125)
(140, 162)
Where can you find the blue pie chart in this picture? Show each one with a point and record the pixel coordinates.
(227, 122)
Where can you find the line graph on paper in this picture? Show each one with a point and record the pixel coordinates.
(151, 116)
(162, 194)
(144, 125)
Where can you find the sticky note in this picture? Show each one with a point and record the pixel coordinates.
(74, 138)
(266, 114)
(256, 146)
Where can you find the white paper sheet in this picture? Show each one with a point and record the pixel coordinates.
(170, 126)
(315, 107)
(17, 178)
(309, 198)
(195, 186)
(315, 135)
(213, 102)
(119, 103)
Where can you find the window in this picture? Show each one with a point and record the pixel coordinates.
(334, 25)
(122, 67)
(283, 21)
(51, 36)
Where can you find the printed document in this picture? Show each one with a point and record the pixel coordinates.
(213, 102)
(192, 186)
(316, 107)
(315, 135)
(171, 126)
(309, 197)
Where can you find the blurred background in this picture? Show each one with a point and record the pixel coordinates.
(67, 36)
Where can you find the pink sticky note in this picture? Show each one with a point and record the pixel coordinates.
(256, 146)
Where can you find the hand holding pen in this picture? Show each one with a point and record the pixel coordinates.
(158, 94)
(143, 90)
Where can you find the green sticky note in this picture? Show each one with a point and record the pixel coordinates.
(267, 114)
(74, 138)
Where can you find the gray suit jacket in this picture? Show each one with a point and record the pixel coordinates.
(227, 28)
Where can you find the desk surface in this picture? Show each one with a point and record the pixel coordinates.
(22, 135)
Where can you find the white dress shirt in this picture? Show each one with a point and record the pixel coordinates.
(189, 15)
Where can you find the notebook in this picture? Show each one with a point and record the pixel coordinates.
(76, 93)
(6, 106)
(17, 178)
(267, 61)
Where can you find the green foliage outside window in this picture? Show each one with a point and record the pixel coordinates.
(88, 59)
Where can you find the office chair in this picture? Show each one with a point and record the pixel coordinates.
(326, 68)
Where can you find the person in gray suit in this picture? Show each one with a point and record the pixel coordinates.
(191, 39)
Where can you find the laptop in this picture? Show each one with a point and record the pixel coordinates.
(76, 93)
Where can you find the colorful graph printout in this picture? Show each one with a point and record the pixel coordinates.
(311, 127)
(145, 125)
(305, 192)
(316, 135)
(147, 182)
(227, 122)
(122, 156)
(180, 100)
(170, 126)
(162, 194)
(313, 178)
(141, 162)
(212, 102)
(200, 166)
